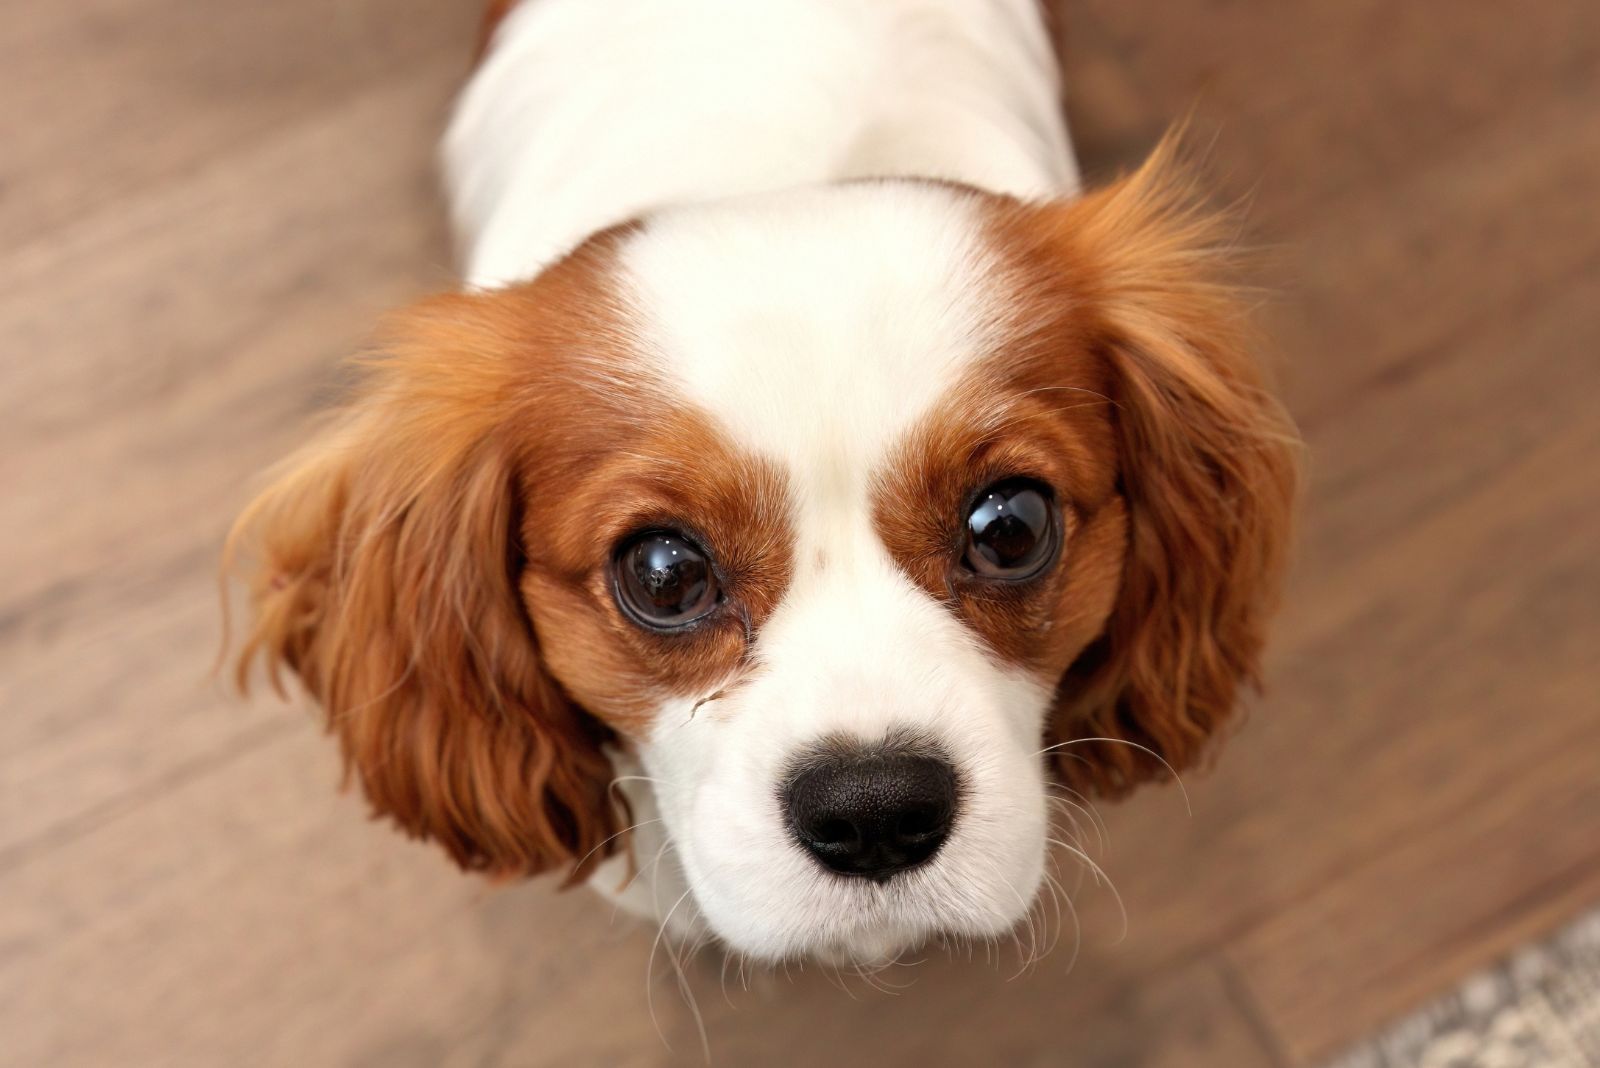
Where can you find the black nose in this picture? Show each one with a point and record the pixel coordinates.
(873, 813)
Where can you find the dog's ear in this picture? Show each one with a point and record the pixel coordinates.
(383, 563)
(1207, 463)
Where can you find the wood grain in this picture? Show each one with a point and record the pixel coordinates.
(200, 215)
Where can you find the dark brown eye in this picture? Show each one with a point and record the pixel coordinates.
(664, 580)
(1012, 530)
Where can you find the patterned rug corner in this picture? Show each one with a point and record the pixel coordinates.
(1538, 1009)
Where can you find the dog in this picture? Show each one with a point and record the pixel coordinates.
(808, 477)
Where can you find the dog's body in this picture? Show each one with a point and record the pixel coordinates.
(582, 116)
(809, 465)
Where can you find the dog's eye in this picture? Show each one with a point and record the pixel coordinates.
(664, 580)
(1012, 531)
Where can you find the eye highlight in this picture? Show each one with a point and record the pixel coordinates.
(663, 580)
(1012, 531)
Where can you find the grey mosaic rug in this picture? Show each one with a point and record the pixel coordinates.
(1538, 1009)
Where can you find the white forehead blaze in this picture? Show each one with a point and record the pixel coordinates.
(817, 327)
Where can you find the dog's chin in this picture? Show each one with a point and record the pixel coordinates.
(871, 947)
(864, 947)
(868, 934)
(867, 950)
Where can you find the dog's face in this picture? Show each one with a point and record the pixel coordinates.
(838, 509)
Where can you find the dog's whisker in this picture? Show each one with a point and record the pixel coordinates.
(1026, 955)
(1077, 931)
(1132, 745)
(649, 976)
(1062, 806)
(655, 887)
(722, 978)
(1100, 875)
(1083, 804)
(835, 975)
(1078, 852)
(1060, 896)
(611, 838)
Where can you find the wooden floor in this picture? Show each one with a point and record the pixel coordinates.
(203, 207)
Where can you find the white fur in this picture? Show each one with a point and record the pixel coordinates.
(586, 114)
(815, 323)
(816, 327)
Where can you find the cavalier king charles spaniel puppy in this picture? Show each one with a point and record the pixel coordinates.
(807, 474)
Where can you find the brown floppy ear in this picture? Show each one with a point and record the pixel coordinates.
(1207, 462)
(385, 560)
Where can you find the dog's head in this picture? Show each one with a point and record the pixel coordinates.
(848, 511)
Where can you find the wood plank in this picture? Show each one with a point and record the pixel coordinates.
(1373, 288)
(1184, 1016)
(159, 386)
(1480, 827)
(1316, 102)
(109, 98)
(252, 913)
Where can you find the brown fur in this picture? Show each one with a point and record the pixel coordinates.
(438, 575)
(670, 469)
(1135, 275)
(1040, 415)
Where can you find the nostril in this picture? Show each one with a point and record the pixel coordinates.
(872, 813)
(920, 823)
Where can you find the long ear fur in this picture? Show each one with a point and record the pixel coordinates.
(385, 558)
(1208, 468)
